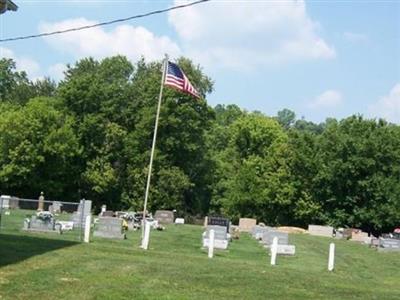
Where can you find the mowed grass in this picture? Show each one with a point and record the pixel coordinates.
(175, 267)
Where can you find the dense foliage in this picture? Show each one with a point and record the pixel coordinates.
(90, 136)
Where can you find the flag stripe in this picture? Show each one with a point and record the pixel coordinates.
(177, 79)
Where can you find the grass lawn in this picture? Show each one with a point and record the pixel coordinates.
(32, 266)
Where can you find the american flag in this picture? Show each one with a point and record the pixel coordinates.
(177, 79)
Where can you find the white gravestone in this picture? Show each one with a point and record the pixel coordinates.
(88, 222)
(274, 249)
(5, 201)
(286, 249)
(146, 237)
(331, 260)
(221, 237)
(66, 225)
(211, 244)
(179, 221)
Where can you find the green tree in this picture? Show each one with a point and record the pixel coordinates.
(38, 148)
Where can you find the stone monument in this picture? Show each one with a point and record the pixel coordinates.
(246, 224)
(164, 216)
(109, 227)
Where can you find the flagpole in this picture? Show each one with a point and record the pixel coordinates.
(154, 142)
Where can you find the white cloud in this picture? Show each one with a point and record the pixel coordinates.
(97, 42)
(23, 63)
(239, 35)
(56, 71)
(328, 99)
(388, 107)
(355, 37)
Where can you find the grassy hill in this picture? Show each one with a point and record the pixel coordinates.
(175, 267)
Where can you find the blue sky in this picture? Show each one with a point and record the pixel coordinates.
(319, 58)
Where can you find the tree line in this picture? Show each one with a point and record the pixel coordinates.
(89, 136)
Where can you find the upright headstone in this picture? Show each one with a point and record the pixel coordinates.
(109, 227)
(274, 249)
(246, 224)
(358, 235)
(205, 222)
(146, 237)
(258, 231)
(387, 244)
(56, 207)
(221, 240)
(268, 237)
(319, 230)
(103, 209)
(164, 216)
(108, 213)
(88, 223)
(14, 203)
(5, 201)
(211, 244)
(84, 210)
(219, 221)
(41, 202)
(331, 260)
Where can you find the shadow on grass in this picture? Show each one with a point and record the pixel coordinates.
(15, 248)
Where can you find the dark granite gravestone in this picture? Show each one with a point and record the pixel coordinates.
(109, 227)
(164, 216)
(219, 221)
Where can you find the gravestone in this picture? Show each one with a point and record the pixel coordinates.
(258, 231)
(360, 236)
(319, 230)
(108, 213)
(221, 238)
(120, 214)
(84, 209)
(66, 225)
(285, 249)
(109, 227)
(268, 236)
(386, 245)
(180, 221)
(5, 201)
(41, 202)
(246, 224)
(37, 224)
(343, 233)
(164, 216)
(14, 203)
(219, 221)
(56, 207)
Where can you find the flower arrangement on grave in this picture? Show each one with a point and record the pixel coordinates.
(45, 216)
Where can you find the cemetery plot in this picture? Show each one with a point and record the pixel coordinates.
(49, 219)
